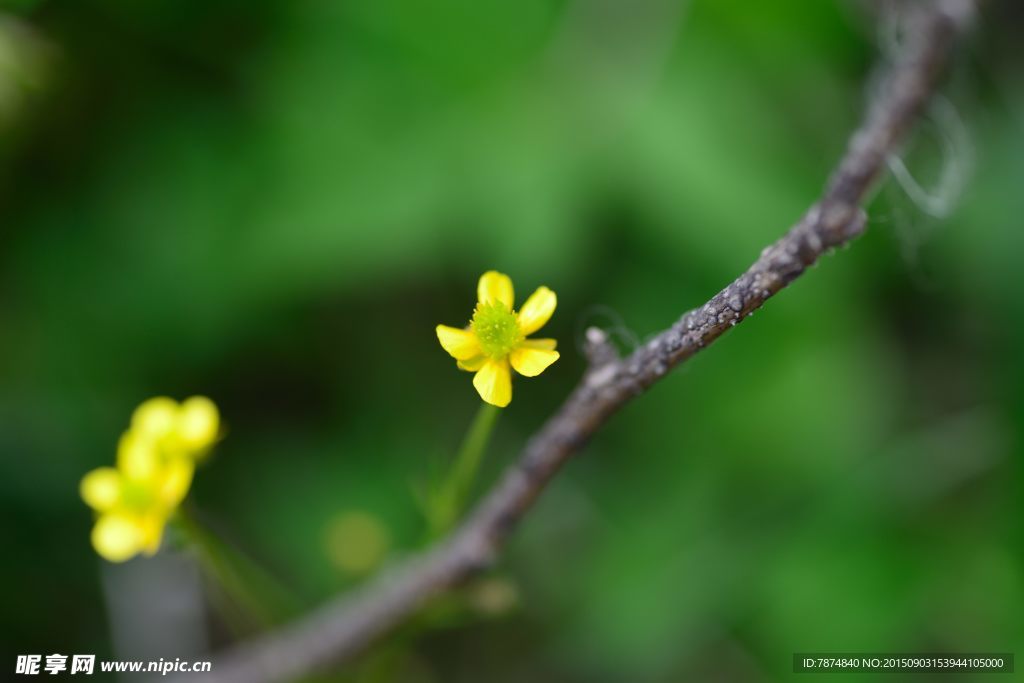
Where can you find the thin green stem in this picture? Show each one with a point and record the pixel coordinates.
(454, 491)
(244, 583)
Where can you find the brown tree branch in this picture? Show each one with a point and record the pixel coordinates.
(345, 626)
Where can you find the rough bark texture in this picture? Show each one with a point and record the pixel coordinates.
(345, 626)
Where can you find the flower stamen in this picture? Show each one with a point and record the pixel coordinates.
(497, 329)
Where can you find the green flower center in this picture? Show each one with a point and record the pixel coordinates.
(136, 495)
(497, 329)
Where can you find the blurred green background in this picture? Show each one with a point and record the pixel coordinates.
(273, 204)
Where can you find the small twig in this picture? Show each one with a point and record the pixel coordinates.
(345, 626)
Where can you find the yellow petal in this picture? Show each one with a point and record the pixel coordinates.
(531, 362)
(494, 383)
(537, 310)
(198, 423)
(495, 286)
(101, 488)
(175, 481)
(472, 364)
(137, 457)
(116, 537)
(546, 344)
(151, 532)
(460, 344)
(155, 418)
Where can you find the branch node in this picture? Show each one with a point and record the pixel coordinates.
(598, 348)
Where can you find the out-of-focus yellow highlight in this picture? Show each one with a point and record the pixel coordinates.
(356, 542)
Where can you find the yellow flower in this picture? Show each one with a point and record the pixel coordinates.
(155, 462)
(497, 338)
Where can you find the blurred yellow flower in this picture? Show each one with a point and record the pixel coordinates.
(496, 338)
(155, 461)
